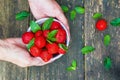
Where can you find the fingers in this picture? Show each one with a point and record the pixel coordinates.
(17, 41)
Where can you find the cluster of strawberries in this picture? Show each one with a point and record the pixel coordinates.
(47, 40)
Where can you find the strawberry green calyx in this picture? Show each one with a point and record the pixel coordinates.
(30, 44)
(34, 26)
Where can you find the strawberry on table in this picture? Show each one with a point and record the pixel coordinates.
(45, 55)
(101, 24)
(40, 42)
(35, 51)
(52, 48)
(55, 25)
(61, 36)
(27, 36)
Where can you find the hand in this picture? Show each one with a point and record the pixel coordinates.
(47, 8)
(13, 50)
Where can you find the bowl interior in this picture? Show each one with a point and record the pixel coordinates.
(40, 21)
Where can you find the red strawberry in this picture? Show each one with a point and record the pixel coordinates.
(101, 24)
(35, 51)
(45, 55)
(52, 48)
(40, 42)
(60, 36)
(45, 33)
(38, 33)
(55, 25)
(61, 51)
(27, 36)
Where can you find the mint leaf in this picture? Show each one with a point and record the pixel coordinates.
(47, 24)
(74, 63)
(87, 49)
(80, 10)
(22, 15)
(72, 15)
(34, 26)
(115, 22)
(107, 40)
(73, 66)
(97, 16)
(107, 63)
(63, 46)
(30, 44)
(51, 35)
(64, 8)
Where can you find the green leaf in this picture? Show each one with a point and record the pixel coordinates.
(34, 26)
(47, 24)
(64, 8)
(30, 44)
(80, 10)
(87, 49)
(72, 15)
(97, 16)
(51, 35)
(22, 15)
(74, 63)
(107, 63)
(115, 22)
(73, 66)
(63, 46)
(107, 40)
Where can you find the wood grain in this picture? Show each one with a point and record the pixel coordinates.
(94, 69)
(9, 27)
(57, 70)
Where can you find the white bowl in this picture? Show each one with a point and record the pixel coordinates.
(40, 21)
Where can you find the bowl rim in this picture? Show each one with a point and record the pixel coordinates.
(40, 21)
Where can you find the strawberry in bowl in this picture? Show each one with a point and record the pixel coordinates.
(47, 39)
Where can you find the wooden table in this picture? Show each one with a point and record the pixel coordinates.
(83, 32)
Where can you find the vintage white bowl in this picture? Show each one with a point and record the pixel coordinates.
(40, 21)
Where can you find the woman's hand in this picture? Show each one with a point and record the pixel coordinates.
(14, 51)
(47, 8)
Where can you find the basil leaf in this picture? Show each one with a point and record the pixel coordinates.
(51, 35)
(74, 63)
(47, 24)
(64, 8)
(80, 10)
(71, 68)
(22, 15)
(30, 44)
(97, 16)
(107, 40)
(87, 49)
(34, 26)
(63, 46)
(107, 63)
(115, 22)
(72, 15)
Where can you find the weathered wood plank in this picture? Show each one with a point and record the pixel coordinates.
(94, 69)
(57, 69)
(9, 27)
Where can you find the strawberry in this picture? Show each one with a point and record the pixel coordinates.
(27, 36)
(45, 55)
(38, 33)
(61, 51)
(101, 24)
(55, 25)
(52, 48)
(35, 51)
(40, 42)
(60, 36)
(45, 33)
